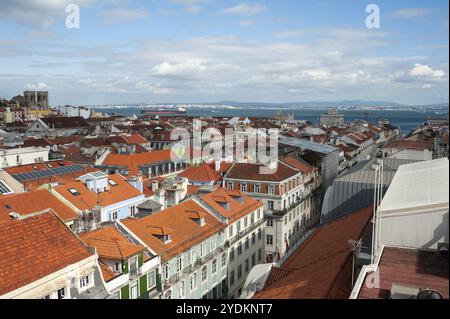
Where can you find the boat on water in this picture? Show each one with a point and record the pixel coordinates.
(163, 111)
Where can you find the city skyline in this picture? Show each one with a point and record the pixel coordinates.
(205, 51)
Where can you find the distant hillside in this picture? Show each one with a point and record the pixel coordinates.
(328, 104)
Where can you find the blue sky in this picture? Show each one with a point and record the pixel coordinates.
(129, 51)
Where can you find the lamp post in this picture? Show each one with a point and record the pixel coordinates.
(356, 250)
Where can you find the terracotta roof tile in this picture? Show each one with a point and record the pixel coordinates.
(236, 208)
(133, 161)
(248, 171)
(89, 199)
(311, 271)
(298, 164)
(35, 247)
(184, 232)
(110, 243)
(32, 202)
(201, 173)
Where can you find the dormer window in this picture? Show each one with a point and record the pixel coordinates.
(162, 233)
(197, 216)
(74, 192)
(222, 201)
(112, 183)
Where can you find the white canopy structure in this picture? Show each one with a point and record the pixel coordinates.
(414, 211)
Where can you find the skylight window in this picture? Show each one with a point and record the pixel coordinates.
(4, 189)
(74, 192)
(112, 183)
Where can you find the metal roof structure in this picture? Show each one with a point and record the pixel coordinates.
(418, 186)
(30, 176)
(354, 189)
(308, 145)
(150, 204)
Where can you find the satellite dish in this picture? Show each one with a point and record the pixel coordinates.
(429, 294)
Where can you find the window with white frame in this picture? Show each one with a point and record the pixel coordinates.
(270, 222)
(179, 263)
(204, 273)
(230, 231)
(165, 271)
(182, 289)
(224, 260)
(85, 282)
(212, 243)
(243, 187)
(214, 266)
(257, 188)
(271, 190)
(270, 204)
(192, 256)
(194, 281)
(151, 279)
(202, 249)
(269, 240)
(230, 185)
(61, 293)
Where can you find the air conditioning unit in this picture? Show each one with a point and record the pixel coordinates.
(399, 291)
(442, 249)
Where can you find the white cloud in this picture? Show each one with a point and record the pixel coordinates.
(188, 68)
(245, 9)
(424, 71)
(335, 64)
(410, 13)
(36, 86)
(120, 15)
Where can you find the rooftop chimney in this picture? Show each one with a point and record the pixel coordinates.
(217, 166)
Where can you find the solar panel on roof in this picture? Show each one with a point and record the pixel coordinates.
(29, 176)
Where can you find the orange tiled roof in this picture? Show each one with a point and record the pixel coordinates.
(37, 166)
(192, 190)
(247, 171)
(300, 165)
(312, 270)
(201, 173)
(32, 202)
(88, 199)
(107, 272)
(134, 138)
(411, 145)
(236, 209)
(185, 232)
(133, 161)
(35, 247)
(110, 243)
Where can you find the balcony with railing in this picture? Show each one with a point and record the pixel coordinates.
(198, 263)
(282, 212)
